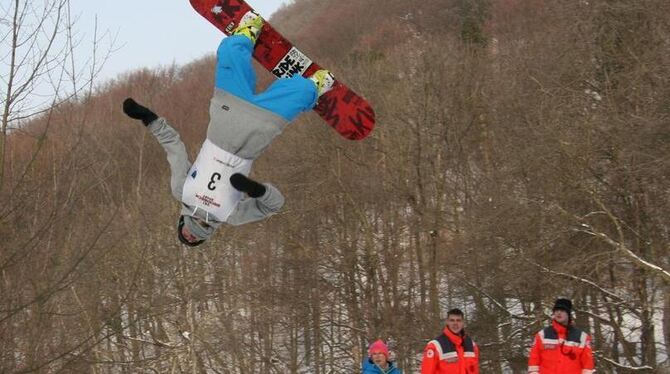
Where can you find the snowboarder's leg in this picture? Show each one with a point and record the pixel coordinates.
(234, 72)
(288, 97)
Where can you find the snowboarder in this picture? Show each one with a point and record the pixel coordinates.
(561, 348)
(242, 124)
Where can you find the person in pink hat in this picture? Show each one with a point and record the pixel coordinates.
(377, 361)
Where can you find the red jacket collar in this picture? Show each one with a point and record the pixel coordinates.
(561, 330)
(455, 339)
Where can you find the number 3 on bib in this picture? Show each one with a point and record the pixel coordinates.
(215, 178)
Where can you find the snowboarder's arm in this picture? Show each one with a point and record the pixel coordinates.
(251, 210)
(534, 358)
(177, 157)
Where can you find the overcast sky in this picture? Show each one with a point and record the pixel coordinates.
(151, 33)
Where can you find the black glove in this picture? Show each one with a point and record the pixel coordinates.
(246, 185)
(134, 110)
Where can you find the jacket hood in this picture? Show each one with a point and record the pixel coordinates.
(200, 231)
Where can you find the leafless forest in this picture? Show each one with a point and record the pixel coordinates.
(522, 152)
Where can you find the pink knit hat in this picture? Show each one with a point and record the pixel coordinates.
(378, 347)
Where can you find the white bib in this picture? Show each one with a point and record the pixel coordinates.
(207, 184)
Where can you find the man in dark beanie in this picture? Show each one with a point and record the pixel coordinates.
(561, 348)
(564, 305)
(216, 189)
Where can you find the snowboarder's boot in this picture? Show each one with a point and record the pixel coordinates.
(324, 81)
(250, 26)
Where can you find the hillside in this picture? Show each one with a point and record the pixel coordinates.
(521, 154)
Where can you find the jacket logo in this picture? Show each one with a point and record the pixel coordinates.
(225, 107)
(195, 172)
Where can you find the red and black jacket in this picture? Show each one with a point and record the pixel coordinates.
(558, 349)
(450, 353)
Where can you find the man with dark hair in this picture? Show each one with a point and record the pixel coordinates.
(453, 352)
(561, 348)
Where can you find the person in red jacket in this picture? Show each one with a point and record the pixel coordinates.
(561, 348)
(453, 352)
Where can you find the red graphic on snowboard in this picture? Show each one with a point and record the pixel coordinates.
(344, 110)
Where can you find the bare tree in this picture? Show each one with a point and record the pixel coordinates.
(520, 154)
(41, 67)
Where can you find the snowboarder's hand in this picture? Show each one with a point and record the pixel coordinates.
(137, 111)
(249, 186)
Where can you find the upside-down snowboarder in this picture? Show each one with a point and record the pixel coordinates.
(242, 124)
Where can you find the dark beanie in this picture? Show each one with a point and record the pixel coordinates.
(563, 304)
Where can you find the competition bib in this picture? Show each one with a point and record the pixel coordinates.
(207, 184)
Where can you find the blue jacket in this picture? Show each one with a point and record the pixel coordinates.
(370, 368)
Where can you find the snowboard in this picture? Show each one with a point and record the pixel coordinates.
(342, 108)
